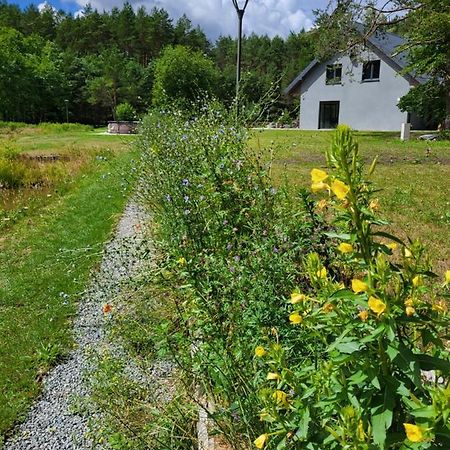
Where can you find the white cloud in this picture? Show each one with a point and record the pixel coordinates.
(218, 17)
(46, 5)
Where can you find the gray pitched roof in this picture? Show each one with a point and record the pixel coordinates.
(385, 42)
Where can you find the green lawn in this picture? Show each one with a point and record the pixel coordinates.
(414, 177)
(50, 240)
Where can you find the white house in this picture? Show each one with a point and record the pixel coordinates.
(361, 92)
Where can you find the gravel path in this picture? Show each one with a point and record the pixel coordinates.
(53, 423)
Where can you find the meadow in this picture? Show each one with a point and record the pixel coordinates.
(413, 178)
(68, 187)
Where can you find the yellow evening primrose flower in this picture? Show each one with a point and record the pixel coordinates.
(273, 376)
(410, 311)
(260, 441)
(447, 277)
(327, 308)
(296, 297)
(363, 315)
(339, 189)
(295, 318)
(322, 273)
(376, 305)
(322, 204)
(359, 286)
(409, 301)
(319, 186)
(413, 432)
(318, 175)
(417, 281)
(440, 306)
(181, 261)
(408, 253)
(260, 351)
(345, 248)
(392, 245)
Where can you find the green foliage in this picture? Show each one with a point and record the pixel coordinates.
(368, 366)
(184, 76)
(231, 243)
(427, 101)
(126, 112)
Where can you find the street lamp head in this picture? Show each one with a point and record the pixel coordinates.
(238, 8)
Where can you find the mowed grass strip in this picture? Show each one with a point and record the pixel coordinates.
(413, 176)
(45, 262)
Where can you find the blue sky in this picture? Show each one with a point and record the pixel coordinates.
(216, 16)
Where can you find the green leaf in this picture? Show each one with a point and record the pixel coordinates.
(382, 416)
(341, 236)
(427, 362)
(343, 293)
(405, 360)
(388, 236)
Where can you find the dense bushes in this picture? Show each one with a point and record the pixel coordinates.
(337, 368)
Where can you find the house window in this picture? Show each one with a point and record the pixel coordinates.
(371, 71)
(334, 74)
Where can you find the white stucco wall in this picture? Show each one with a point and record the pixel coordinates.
(368, 105)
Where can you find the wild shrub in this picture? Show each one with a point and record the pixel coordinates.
(232, 244)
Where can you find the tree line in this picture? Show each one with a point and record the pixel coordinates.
(54, 63)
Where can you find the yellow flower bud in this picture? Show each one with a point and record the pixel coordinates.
(327, 308)
(417, 281)
(374, 204)
(345, 248)
(340, 189)
(260, 351)
(359, 286)
(376, 305)
(322, 204)
(447, 277)
(318, 175)
(363, 315)
(322, 273)
(260, 441)
(410, 311)
(392, 245)
(296, 297)
(273, 376)
(181, 261)
(280, 397)
(408, 253)
(295, 318)
(413, 432)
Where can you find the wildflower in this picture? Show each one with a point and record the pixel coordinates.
(417, 281)
(327, 308)
(107, 308)
(340, 189)
(181, 261)
(345, 248)
(296, 297)
(413, 432)
(187, 212)
(280, 397)
(318, 175)
(276, 250)
(260, 351)
(374, 205)
(377, 306)
(440, 306)
(319, 186)
(447, 277)
(410, 311)
(392, 245)
(363, 315)
(185, 182)
(322, 204)
(295, 318)
(322, 273)
(260, 442)
(361, 434)
(408, 253)
(409, 302)
(186, 199)
(359, 286)
(273, 376)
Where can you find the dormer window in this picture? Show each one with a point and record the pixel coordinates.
(371, 71)
(334, 74)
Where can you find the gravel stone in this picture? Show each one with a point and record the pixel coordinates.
(57, 421)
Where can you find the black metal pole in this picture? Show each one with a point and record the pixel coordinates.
(240, 13)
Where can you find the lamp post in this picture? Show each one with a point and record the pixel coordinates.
(67, 110)
(240, 14)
